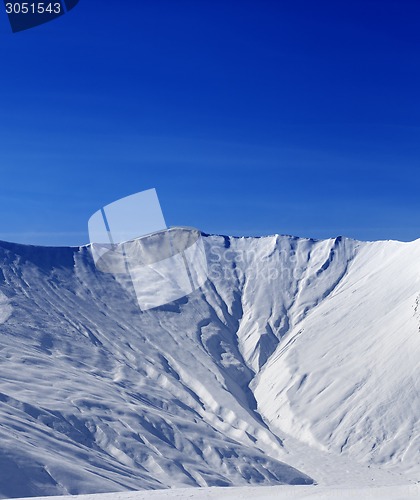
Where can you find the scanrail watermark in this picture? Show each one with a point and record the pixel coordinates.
(236, 264)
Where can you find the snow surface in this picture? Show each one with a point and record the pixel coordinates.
(297, 362)
(260, 493)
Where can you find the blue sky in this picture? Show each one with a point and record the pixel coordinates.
(248, 117)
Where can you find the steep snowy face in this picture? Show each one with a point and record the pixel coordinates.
(270, 284)
(347, 378)
(290, 340)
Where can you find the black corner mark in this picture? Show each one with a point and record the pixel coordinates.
(70, 4)
(24, 15)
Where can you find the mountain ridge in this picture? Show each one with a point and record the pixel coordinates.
(188, 394)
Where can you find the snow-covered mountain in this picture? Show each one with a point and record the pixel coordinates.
(297, 362)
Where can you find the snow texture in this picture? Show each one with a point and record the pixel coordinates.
(296, 362)
(262, 493)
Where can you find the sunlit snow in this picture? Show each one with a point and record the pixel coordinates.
(297, 362)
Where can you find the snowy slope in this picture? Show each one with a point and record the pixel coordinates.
(295, 353)
(262, 493)
(348, 377)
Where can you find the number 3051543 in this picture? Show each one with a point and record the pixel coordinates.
(33, 8)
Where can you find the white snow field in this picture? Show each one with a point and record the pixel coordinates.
(297, 362)
(259, 493)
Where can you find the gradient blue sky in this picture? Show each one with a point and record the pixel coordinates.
(249, 117)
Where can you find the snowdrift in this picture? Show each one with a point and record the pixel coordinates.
(297, 362)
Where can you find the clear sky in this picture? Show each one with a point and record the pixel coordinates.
(248, 117)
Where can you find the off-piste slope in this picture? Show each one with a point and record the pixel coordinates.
(291, 342)
(347, 378)
(400, 492)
